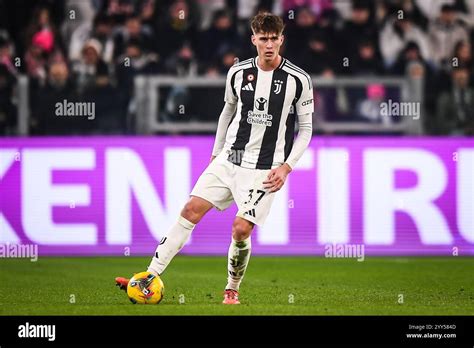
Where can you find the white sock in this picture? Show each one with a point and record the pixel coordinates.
(170, 245)
(238, 259)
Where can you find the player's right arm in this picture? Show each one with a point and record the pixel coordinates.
(224, 119)
(230, 107)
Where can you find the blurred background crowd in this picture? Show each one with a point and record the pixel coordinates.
(91, 50)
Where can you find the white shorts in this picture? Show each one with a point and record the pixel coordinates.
(224, 182)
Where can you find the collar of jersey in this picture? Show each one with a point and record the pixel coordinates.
(255, 60)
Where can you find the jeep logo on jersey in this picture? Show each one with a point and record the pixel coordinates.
(277, 84)
(260, 103)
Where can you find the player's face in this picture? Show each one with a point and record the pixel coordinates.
(268, 45)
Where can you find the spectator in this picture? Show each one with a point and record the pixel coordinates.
(361, 27)
(57, 88)
(455, 110)
(78, 13)
(328, 25)
(444, 33)
(8, 74)
(222, 34)
(401, 7)
(411, 64)
(177, 28)
(366, 61)
(298, 33)
(7, 108)
(207, 9)
(39, 55)
(139, 63)
(463, 54)
(396, 34)
(110, 107)
(148, 13)
(411, 53)
(119, 10)
(466, 11)
(431, 9)
(222, 65)
(90, 66)
(134, 30)
(134, 62)
(246, 9)
(183, 62)
(35, 60)
(6, 58)
(42, 26)
(101, 30)
(370, 109)
(317, 59)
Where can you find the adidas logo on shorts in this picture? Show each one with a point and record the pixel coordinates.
(251, 212)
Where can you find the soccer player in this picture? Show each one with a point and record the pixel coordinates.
(254, 150)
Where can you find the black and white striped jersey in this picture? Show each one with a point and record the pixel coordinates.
(261, 133)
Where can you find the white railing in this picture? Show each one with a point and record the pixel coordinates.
(147, 98)
(147, 93)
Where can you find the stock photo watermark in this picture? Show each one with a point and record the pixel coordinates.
(349, 251)
(75, 109)
(20, 251)
(37, 331)
(405, 109)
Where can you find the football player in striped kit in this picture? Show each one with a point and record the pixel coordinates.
(254, 150)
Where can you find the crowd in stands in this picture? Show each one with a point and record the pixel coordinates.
(91, 50)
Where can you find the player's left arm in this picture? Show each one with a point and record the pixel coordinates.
(277, 176)
(304, 109)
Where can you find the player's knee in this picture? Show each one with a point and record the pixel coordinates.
(191, 212)
(241, 229)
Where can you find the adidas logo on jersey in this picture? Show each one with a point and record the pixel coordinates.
(248, 87)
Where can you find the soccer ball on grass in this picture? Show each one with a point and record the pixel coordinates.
(145, 288)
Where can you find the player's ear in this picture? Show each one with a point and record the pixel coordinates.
(254, 39)
(282, 38)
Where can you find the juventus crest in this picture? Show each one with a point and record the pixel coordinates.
(277, 84)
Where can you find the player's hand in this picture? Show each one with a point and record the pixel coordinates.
(277, 177)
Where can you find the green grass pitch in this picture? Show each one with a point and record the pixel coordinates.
(272, 286)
